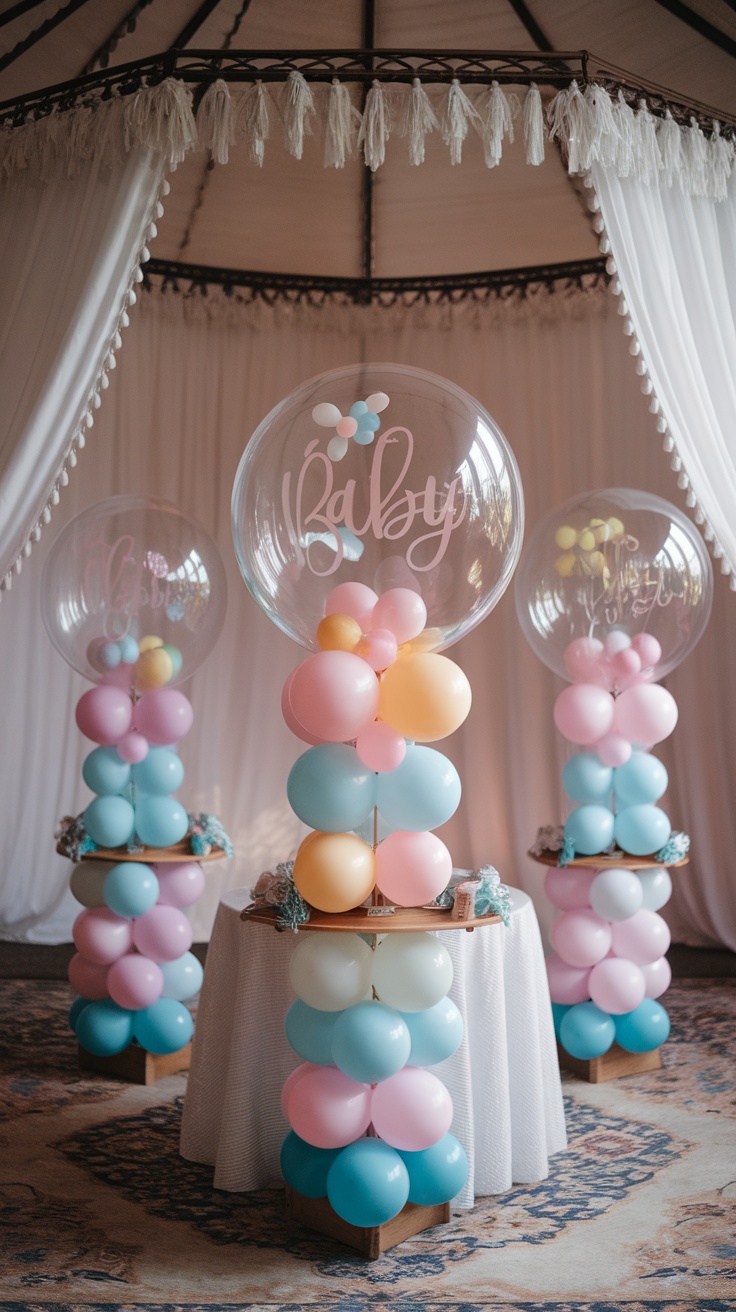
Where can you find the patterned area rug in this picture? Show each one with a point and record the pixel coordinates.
(97, 1208)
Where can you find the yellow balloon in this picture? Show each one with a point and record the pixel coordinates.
(334, 872)
(565, 564)
(586, 540)
(338, 633)
(565, 537)
(153, 669)
(424, 696)
(149, 642)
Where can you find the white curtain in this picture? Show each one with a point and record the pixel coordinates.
(182, 403)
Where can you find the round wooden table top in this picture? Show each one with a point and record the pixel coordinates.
(601, 861)
(374, 920)
(152, 855)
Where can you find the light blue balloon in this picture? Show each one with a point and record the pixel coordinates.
(104, 1028)
(586, 1031)
(330, 788)
(165, 1026)
(367, 1183)
(358, 409)
(182, 977)
(643, 779)
(644, 1028)
(368, 423)
(421, 793)
(109, 821)
(104, 773)
(130, 889)
(559, 1009)
(590, 829)
(129, 652)
(586, 779)
(161, 774)
(435, 1033)
(310, 1032)
(641, 830)
(77, 1006)
(370, 1042)
(437, 1174)
(160, 821)
(305, 1167)
(175, 657)
(110, 655)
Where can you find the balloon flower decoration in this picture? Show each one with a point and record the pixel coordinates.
(377, 517)
(134, 598)
(613, 591)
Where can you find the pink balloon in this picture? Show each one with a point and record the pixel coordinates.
(613, 749)
(379, 648)
(412, 868)
(134, 981)
(626, 663)
(657, 977)
(180, 883)
(163, 933)
(290, 719)
(88, 978)
(643, 938)
(569, 889)
(334, 694)
(293, 1079)
(380, 747)
(354, 599)
(133, 747)
(567, 984)
(583, 713)
(101, 936)
(616, 985)
(585, 662)
(412, 1109)
(645, 714)
(328, 1109)
(346, 427)
(582, 938)
(163, 716)
(402, 611)
(104, 714)
(648, 649)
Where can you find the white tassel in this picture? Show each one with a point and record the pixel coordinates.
(570, 123)
(215, 121)
(497, 124)
(720, 164)
(696, 160)
(375, 129)
(603, 129)
(253, 121)
(627, 137)
(419, 120)
(534, 126)
(460, 112)
(161, 118)
(648, 162)
(299, 109)
(343, 122)
(669, 138)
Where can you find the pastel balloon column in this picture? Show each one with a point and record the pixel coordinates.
(377, 518)
(613, 591)
(134, 598)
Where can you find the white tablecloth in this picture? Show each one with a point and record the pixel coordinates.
(504, 1079)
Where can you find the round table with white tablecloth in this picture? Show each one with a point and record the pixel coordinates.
(504, 1079)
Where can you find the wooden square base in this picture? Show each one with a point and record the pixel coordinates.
(613, 1064)
(136, 1065)
(317, 1214)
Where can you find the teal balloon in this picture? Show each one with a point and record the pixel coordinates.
(330, 788)
(310, 1032)
(129, 651)
(421, 793)
(644, 1028)
(367, 1183)
(109, 821)
(586, 779)
(590, 829)
(161, 774)
(165, 1026)
(182, 977)
(104, 1028)
(559, 1009)
(160, 821)
(358, 409)
(370, 1041)
(175, 657)
(586, 1031)
(130, 889)
(305, 1167)
(435, 1033)
(643, 779)
(437, 1174)
(104, 773)
(76, 1008)
(641, 830)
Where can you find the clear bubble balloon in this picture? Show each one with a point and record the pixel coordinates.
(129, 568)
(424, 494)
(614, 561)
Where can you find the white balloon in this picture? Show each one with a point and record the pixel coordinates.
(86, 882)
(326, 415)
(657, 977)
(616, 894)
(656, 888)
(331, 971)
(411, 972)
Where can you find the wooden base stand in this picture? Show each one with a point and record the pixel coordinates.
(136, 1065)
(317, 1214)
(611, 1065)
